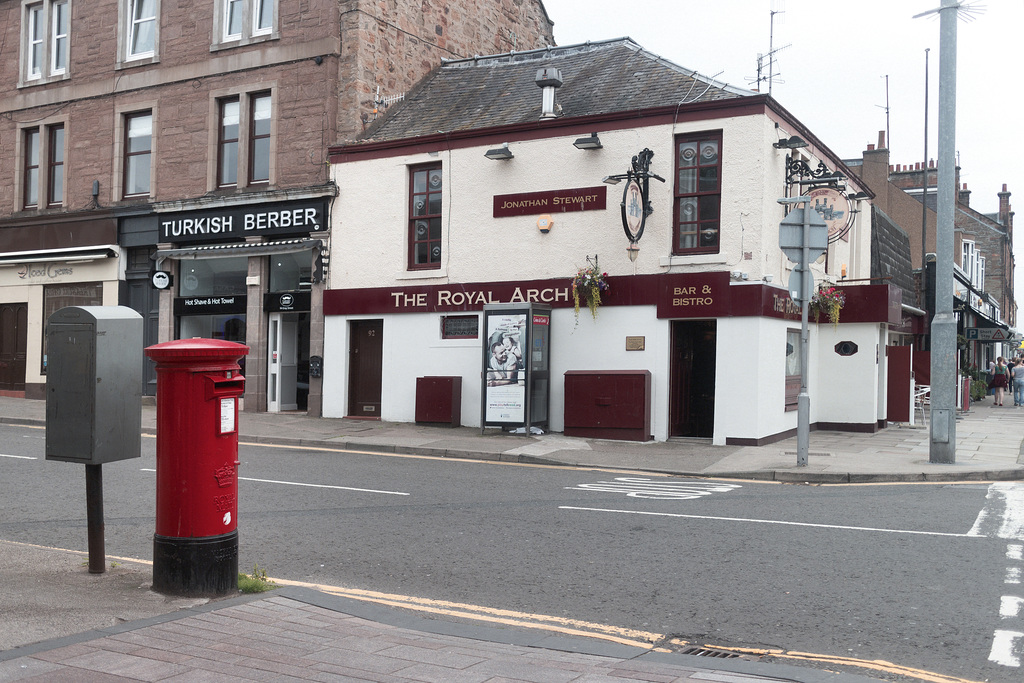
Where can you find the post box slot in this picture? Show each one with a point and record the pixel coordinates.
(217, 387)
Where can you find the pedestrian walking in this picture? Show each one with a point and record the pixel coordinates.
(1017, 374)
(999, 380)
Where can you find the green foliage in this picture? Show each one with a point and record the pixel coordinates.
(257, 582)
(979, 389)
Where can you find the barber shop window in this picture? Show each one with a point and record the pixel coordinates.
(213, 276)
(698, 194)
(291, 272)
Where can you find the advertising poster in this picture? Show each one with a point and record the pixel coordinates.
(506, 373)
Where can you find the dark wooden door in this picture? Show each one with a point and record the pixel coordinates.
(692, 409)
(366, 358)
(13, 345)
(899, 398)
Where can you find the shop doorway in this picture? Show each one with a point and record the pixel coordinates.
(365, 368)
(692, 404)
(288, 362)
(13, 347)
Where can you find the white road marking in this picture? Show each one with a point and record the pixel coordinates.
(19, 457)
(767, 521)
(1015, 551)
(1012, 575)
(316, 486)
(1010, 606)
(639, 487)
(1003, 513)
(1007, 647)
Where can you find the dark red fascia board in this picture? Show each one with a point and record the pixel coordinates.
(539, 130)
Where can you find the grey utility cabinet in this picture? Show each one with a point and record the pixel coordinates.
(94, 384)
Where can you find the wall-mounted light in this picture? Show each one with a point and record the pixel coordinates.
(632, 251)
(611, 180)
(589, 142)
(499, 153)
(856, 196)
(794, 142)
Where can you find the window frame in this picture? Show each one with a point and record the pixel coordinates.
(56, 38)
(126, 35)
(224, 143)
(55, 164)
(249, 29)
(40, 40)
(30, 169)
(130, 155)
(703, 196)
(413, 218)
(256, 137)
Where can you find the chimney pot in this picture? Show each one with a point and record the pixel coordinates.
(871, 148)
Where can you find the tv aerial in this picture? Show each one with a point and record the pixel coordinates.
(766, 71)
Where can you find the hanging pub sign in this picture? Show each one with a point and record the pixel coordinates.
(833, 206)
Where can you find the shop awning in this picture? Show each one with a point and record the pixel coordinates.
(232, 250)
(91, 253)
(982, 320)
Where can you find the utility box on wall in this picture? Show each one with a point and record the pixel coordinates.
(608, 404)
(439, 401)
(94, 384)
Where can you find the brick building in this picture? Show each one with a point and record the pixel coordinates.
(190, 138)
(982, 248)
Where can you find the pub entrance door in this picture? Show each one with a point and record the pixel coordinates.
(692, 368)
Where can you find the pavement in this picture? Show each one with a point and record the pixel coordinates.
(61, 623)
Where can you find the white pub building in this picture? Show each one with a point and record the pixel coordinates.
(500, 178)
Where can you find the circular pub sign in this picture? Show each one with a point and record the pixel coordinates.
(833, 206)
(633, 210)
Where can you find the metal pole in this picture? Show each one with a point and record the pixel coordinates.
(803, 401)
(94, 518)
(921, 302)
(943, 423)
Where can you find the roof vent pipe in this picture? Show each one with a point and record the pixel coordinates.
(548, 80)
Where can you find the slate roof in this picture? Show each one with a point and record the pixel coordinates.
(603, 77)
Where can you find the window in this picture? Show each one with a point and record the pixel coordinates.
(259, 139)
(47, 25)
(227, 143)
(793, 373)
(55, 166)
(138, 151)
(460, 327)
(698, 194)
(142, 28)
(242, 21)
(31, 177)
(244, 143)
(43, 167)
(425, 217)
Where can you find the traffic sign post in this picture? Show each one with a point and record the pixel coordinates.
(803, 237)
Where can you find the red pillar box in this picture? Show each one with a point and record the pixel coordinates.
(195, 548)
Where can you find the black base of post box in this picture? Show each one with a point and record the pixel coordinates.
(195, 567)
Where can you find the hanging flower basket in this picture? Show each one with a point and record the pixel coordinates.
(587, 286)
(828, 301)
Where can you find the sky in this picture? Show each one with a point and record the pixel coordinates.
(848, 70)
